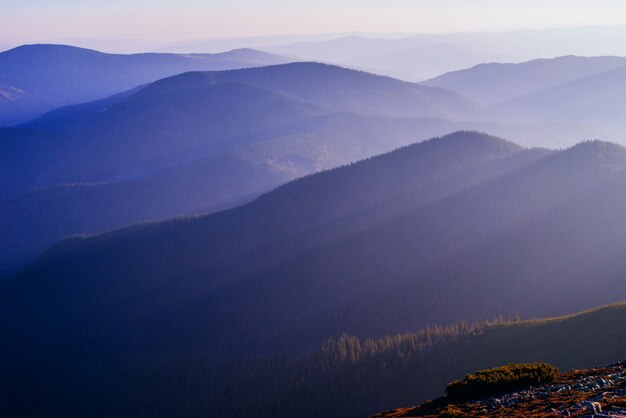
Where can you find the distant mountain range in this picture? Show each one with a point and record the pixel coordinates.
(461, 227)
(418, 57)
(569, 92)
(259, 238)
(198, 142)
(35, 79)
(491, 84)
(203, 141)
(198, 114)
(414, 58)
(595, 100)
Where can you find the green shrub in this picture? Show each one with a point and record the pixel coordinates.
(450, 412)
(501, 379)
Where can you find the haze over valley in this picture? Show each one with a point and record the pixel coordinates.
(331, 222)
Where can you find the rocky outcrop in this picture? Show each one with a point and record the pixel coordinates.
(599, 392)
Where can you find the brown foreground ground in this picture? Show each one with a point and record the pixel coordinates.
(599, 392)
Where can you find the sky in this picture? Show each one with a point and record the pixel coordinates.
(159, 22)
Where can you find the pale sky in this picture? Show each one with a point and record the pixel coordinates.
(163, 21)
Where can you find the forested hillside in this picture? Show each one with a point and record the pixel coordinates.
(345, 377)
(465, 226)
(198, 142)
(351, 219)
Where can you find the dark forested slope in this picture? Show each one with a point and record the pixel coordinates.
(464, 226)
(197, 142)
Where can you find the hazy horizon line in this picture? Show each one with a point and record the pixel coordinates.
(99, 43)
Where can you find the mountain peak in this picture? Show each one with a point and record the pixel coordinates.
(47, 48)
(476, 139)
(609, 153)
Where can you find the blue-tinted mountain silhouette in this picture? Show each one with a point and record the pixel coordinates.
(37, 78)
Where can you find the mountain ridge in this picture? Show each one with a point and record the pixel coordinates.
(222, 136)
(350, 250)
(494, 83)
(593, 100)
(43, 77)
